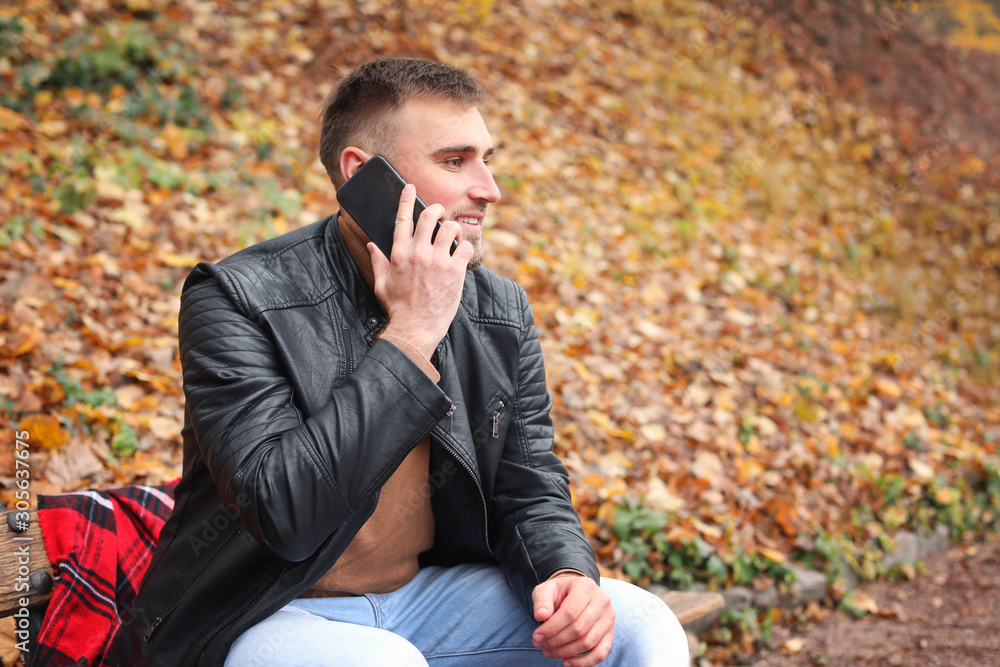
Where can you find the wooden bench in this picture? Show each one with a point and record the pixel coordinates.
(25, 570)
(31, 582)
(692, 607)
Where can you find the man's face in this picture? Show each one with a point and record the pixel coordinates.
(443, 148)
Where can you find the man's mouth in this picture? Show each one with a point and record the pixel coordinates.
(468, 220)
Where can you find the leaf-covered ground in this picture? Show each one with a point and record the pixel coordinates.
(766, 278)
(946, 616)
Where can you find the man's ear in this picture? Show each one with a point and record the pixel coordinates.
(351, 159)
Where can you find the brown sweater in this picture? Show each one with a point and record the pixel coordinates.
(383, 555)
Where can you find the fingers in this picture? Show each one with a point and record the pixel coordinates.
(407, 200)
(590, 636)
(575, 623)
(425, 232)
(426, 223)
(403, 230)
(420, 285)
(448, 231)
(544, 605)
(380, 263)
(583, 623)
(570, 602)
(595, 656)
(405, 234)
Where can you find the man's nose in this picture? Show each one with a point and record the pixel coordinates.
(485, 188)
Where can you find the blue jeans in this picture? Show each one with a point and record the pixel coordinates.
(463, 616)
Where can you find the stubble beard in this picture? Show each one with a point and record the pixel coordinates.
(478, 251)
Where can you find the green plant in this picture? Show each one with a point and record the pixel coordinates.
(687, 558)
(124, 53)
(751, 625)
(790, 285)
(286, 202)
(687, 230)
(747, 430)
(75, 393)
(137, 166)
(654, 248)
(15, 228)
(745, 619)
(991, 487)
(8, 406)
(849, 605)
(937, 417)
(635, 527)
(890, 487)
(911, 441)
(828, 555)
(76, 189)
(746, 567)
(767, 622)
(10, 32)
(640, 534)
(176, 103)
(124, 442)
(905, 571)
(232, 95)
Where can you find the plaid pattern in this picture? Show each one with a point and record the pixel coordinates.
(100, 544)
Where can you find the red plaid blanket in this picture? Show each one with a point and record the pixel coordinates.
(100, 544)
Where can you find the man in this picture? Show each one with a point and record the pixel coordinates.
(368, 467)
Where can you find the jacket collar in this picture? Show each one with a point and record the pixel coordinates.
(348, 275)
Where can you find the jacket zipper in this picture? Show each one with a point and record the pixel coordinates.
(250, 604)
(496, 420)
(159, 619)
(461, 461)
(350, 350)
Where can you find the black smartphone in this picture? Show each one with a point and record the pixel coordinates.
(371, 197)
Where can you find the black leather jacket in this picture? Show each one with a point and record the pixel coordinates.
(294, 421)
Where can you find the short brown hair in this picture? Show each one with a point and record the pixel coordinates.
(355, 112)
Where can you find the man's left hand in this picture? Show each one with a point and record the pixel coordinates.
(576, 617)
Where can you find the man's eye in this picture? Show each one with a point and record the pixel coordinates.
(455, 161)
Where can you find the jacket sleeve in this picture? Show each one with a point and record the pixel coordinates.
(539, 531)
(295, 478)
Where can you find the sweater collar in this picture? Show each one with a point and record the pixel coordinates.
(357, 243)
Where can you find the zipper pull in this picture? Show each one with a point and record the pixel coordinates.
(152, 628)
(451, 418)
(496, 421)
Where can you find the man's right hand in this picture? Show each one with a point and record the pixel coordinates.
(420, 286)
